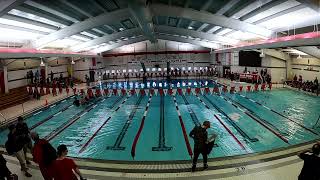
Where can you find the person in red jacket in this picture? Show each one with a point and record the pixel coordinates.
(63, 167)
(43, 154)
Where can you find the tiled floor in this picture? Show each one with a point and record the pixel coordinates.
(287, 172)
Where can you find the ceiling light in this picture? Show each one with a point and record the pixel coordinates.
(262, 54)
(121, 29)
(41, 63)
(190, 27)
(72, 61)
(299, 57)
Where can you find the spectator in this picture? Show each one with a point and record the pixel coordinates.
(200, 137)
(14, 146)
(23, 132)
(311, 168)
(4, 171)
(43, 154)
(63, 167)
(51, 76)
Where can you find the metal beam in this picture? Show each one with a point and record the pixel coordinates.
(105, 18)
(76, 8)
(7, 5)
(203, 8)
(187, 32)
(313, 4)
(22, 29)
(227, 6)
(206, 5)
(123, 43)
(143, 16)
(287, 11)
(263, 8)
(204, 25)
(32, 10)
(29, 21)
(311, 50)
(210, 19)
(107, 38)
(52, 11)
(185, 40)
(221, 11)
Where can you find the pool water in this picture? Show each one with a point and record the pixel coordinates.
(108, 128)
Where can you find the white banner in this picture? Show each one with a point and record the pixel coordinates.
(193, 91)
(156, 92)
(165, 91)
(174, 92)
(211, 90)
(184, 91)
(137, 91)
(202, 90)
(119, 92)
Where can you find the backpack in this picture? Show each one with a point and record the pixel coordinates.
(9, 148)
(49, 153)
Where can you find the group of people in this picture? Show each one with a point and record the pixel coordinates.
(305, 85)
(172, 73)
(263, 77)
(53, 163)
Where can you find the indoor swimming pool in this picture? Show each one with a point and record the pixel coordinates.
(156, 128)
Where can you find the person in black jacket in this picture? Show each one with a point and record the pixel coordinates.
(16, 143)
(200, 137)
(22, 130)
(311, 168)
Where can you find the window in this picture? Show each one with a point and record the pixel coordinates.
(148, 69)
(164, 69)
(183, 68)
(141, 70)
(159, 69)
(107, 71)
(200, 68)
(135, 70)
(189, 68)
(124, 70)
(153, 69)
(113, 71)
(130, 70)
(195, 68)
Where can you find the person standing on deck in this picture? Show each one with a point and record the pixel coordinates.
(14, 146)
(24, 133)
(64, 168)
(200, 137)
(311, 168)
(43, 154)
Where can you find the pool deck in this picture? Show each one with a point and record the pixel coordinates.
(281, 164)
(277, 164)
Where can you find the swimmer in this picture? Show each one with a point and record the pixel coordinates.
(76, 102)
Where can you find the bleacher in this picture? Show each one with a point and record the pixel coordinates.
(14, 97)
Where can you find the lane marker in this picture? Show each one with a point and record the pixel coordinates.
(85, 145)
(188, 146)
(294, 121)
(120, 137)
(228, 130)
(136, 138)
(259, 120)
(235, 125)
(57, 113)
(37, 113)
(68, 123)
